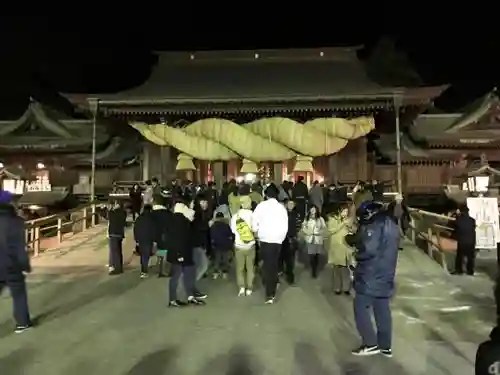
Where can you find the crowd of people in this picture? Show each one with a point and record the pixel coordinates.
(199, 231)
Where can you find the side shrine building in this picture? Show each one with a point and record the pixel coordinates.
(277, 114)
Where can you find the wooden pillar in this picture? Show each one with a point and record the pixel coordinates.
(332, 169)
(278, 172)
(146, 156)
(362, 156)
(218, 173)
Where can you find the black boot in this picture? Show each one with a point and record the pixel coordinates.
(314, 260)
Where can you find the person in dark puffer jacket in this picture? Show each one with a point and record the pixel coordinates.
(222, 244)
(14, 260)
(377, 255)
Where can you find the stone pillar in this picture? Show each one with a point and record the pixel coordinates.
(278, 172)
(146, 154)
(218, 173)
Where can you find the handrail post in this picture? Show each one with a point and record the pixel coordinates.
(414, 230)
(36, 240)
(32, 233)
(93, 214)
(429, 242)
(59, 230)
(84, 219)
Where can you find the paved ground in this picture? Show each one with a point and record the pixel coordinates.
(91, 323)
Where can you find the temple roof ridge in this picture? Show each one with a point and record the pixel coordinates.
(260, 55)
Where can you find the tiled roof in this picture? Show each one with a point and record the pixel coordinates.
(234, 77)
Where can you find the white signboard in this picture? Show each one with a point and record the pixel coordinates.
(485, 212)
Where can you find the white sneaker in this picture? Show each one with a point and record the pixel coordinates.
(269, 301)
(241, 292)
(248, 292)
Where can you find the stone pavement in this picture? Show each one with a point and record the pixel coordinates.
(91, 323)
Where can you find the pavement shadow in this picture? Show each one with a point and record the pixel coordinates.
(159, 362)
(16, 362)
(238, 361)
(431, 334)
(115, 287)
(307, 360)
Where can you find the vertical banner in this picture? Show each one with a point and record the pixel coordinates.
(485, 212)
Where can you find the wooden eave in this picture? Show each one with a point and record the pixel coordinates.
(324, 79)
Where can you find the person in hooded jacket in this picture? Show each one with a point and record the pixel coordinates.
(144, 236)
(117, 221)
(376, 257)
(14, 261)
(180, 255)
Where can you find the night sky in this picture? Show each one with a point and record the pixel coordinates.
(44, 55)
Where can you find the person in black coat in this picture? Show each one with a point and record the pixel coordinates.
(144, 235)
(117, 220)
(300, 195)
(135, 200)
(290, 244)
(180, 255)
(465, 234)
(14, 260)
(201, 236)
(162, 217)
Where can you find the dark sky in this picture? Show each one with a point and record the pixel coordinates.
(44, 56)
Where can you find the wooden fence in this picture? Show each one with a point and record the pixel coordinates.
(60, 226)
(433, 233)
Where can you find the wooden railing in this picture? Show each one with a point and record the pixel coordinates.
(429, 231)
(58, 225)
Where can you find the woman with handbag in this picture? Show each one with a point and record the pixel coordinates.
(340, 254)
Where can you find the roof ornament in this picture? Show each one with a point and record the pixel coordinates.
(483, 160)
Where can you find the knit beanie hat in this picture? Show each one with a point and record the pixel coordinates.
(5, 197)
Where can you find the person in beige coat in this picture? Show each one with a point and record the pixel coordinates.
(340, 255)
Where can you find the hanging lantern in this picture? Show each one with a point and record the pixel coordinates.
(185, 163)
(303, 164)
(249, 167)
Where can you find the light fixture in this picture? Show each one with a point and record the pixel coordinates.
(191, 57)
(322, 54)
(40, 166)
(1, 165)
(477, 184)
(256, 55)
(250, 177)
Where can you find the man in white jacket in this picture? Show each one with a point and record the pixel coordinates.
(270, 223)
